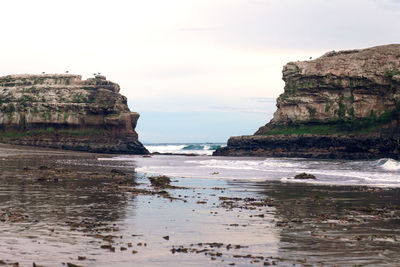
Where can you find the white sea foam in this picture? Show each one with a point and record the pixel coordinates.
(118, 158)
(254, 164)
(189, 148)
(389, 164)
(164, 148)
(383, 172)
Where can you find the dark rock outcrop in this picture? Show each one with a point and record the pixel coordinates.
(64, 111)
(305, 176)
(342, 105)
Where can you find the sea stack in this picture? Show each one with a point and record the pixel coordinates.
(66, 112)
(343, 105)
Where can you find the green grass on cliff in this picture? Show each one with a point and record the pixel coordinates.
(391, 73)
(355, 126)
(361, 126)
(81, 132)
(12, 135)
(20, 134)
(321, 129)
(49, 130)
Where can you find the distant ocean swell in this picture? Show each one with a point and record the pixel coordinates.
(201, 147)
(388, 164)
(383, 172)
(385, 164)
(198, 149)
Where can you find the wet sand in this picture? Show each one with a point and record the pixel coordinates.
(69, 209)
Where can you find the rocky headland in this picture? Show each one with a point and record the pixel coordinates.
(66, 112)
(344, 104)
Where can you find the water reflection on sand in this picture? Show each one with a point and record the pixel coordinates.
(53, 222)
(72, 208)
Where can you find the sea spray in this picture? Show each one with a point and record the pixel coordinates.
(381, 173)
(194, 148)
(388, 164)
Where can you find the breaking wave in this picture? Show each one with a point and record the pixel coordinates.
(198, 149)
(388, 164)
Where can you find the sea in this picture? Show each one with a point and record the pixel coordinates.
(61, 208)
(187, 148)
(384, 172)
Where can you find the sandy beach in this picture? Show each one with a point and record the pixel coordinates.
(70, 209)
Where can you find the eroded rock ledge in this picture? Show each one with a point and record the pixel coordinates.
(64, 111)
(342, 105)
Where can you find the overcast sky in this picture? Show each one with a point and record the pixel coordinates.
(188, 53)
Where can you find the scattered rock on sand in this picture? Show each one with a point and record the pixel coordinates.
(160, 181)
(43, 167)
(305, 176)
(115, 171)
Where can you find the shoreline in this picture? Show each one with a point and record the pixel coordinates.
(313, 146)
(73, 208)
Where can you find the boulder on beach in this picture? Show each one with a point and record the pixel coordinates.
(304, 176)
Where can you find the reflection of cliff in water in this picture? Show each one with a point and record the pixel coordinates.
(57, 202)
(55, 197)
(335, 225)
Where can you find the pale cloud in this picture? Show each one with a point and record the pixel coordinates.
(388, 2)
(308, 24)
(197, 70)
(195, 29)
(208, 48)
(190, 103)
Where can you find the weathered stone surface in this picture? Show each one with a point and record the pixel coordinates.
(312, 146)
(304, 176)
(342, 105)
(350, 84)
(64, 111)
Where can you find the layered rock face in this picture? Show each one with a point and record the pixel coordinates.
(64, 111)
(346, 85)
(342, 105)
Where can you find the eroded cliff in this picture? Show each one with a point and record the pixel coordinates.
(64, 111)
(342, 105)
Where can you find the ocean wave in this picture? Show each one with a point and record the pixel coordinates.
(259, 165)
(164, 148)
(380, 173)
(193, 147)
(388, 164)
(200, 149)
